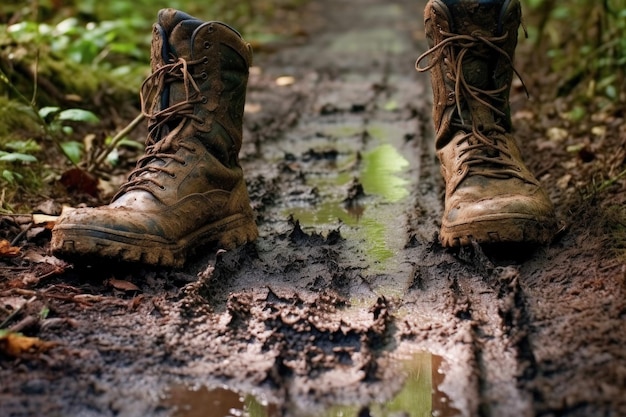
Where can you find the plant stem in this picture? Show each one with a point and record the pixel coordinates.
(114, 142)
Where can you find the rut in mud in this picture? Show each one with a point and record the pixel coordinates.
(347, 285)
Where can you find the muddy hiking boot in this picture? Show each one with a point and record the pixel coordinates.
(188, 189)
(490, 195)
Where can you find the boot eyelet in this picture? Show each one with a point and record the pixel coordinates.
(207, 45)
(204, 99)
(205, 61)
(204, 75)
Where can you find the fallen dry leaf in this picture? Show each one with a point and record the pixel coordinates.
(44, 220)
(35, 256)
(8, 251)
(78, 181)
(16, 345)
(122, 285)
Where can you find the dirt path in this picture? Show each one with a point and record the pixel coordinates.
(346, 298)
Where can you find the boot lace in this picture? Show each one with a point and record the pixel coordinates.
(487, 153)
(159, 121)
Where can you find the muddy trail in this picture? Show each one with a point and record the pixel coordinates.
(346, 305)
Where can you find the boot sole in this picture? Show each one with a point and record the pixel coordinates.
(498, 230)
(76, 241)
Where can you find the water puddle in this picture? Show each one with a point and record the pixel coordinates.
(375, 220)
(419, 397)
(218, 402)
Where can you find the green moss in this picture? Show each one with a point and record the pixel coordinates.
(17, 121)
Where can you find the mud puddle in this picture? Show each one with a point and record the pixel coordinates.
(420, 396)
(361, 186)
(219, 402)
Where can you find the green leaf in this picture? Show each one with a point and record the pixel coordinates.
(113, 157)
(78, 115)
(577, 113)
(23, 146)
(68, 25)
(47, 111)
(73, 150)
(16, 157)
(611, 92)
(43, 314)
(11, 176)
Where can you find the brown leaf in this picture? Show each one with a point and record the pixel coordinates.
(16, 345)
(8, 251)
(122, 285)
(78, 181)
(38, 257)
(47, 208)
(44, 220)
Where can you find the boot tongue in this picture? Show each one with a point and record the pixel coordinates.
(470, 16)
(478, 19)
(178, 27)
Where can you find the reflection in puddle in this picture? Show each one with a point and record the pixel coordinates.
(373, 221)
(419, 397)
(380, 174)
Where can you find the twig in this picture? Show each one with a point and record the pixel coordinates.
(114, 142)
(25, 323)
(21, 234)
(36, 76)
(17, 311)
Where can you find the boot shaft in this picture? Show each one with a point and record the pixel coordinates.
(200, 73)
(471, 62)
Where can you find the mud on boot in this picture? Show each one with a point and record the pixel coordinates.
(490, 195)
(188, 188)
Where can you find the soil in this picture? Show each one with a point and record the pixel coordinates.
(346, 305)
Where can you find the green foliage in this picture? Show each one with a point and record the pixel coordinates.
(19, 124)
(68, 65)
(585, 41)
(93, 44)
(18, 151)
(58, 127)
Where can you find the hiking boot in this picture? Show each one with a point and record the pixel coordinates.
(188, 189)
(491, 196)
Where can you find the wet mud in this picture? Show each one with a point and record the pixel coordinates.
(346, 305)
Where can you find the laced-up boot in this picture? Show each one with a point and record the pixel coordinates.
(188, 189)
(491, 196)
